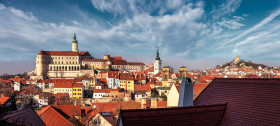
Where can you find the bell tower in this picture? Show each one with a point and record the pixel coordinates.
(157, 64)
(75, 44)
(183, 71)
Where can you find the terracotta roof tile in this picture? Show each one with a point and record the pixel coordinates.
(70, 110)
(250, 101)
(51, 117)
(116, 58)
(77, 85)
(84, 53)
(3, 100)
(63, 84)
(95, 60)
(138, 87)
(136, 63)
(162, 103)
(27, 117)
(59, 53)
(198, 88)
(185, 116)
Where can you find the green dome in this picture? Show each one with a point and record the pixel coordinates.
(74, 39)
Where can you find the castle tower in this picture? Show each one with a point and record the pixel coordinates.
(106, 57)
(40, 64)
(157, 64)
(75, 44)
(165, 73)
(183, 71)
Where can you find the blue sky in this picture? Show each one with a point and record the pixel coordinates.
(197, 34)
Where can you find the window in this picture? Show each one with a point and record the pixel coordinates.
(79, 89)
(97, 122)
(79, 93)
(74, 89)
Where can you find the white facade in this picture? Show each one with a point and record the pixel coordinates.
(16, 86)
(100, 95)
(63, 90)
(157, 66)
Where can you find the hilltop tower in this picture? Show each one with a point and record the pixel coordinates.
(75, 44)
(157, 64)
(183, 71)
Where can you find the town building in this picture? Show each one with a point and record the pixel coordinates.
(75, 63)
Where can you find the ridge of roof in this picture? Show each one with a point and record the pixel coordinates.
(173, 108)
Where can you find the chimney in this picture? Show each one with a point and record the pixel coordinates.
(186, 93)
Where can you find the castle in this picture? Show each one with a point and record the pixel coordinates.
(72, 64)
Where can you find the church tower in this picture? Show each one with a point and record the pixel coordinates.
(75, 44)
(183, 71)
(157, 64)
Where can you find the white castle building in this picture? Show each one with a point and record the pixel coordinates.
(71, 64)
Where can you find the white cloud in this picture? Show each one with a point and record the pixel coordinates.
(228, 7)
(231, 23)
(255, 27)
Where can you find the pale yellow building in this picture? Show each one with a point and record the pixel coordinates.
(173, 96)
(72, 64)
(126, 82)
(63, 88)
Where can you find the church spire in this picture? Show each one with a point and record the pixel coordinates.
(74, 39)
(157, 58)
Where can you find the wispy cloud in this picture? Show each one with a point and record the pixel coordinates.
(255, 27)
(228, 7)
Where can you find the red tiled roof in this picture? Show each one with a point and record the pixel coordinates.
(158, 74)
(185, 116)
(60, 95)
(84, 53)
(77, 85)
(119, 62)
(3, 100)
(59, 53)
(126, 76)
(111, 119)
(116, 58)
(51, 117)
(104, 81)
(136, 63)
(114, 106)
(95, 60)
(63, 85)
(198, 88)
(26, 117)
(162, 103)
(150, 69)
(88, 117)
(138, 87)
(106, 106)
(70, 110)
(178, 88)
(250, 101)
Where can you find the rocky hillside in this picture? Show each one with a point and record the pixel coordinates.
(241, 64)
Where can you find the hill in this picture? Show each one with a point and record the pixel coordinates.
(241, 64)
